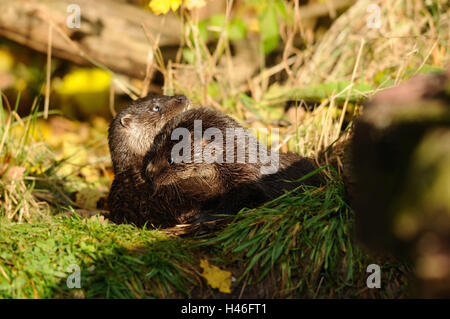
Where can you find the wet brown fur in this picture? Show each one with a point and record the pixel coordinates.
(148, 190)
(131, 135)
(218, 187)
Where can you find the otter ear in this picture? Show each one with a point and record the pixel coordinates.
(126, 120)
(182, 99)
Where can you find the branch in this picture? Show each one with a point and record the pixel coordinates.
(111, 32)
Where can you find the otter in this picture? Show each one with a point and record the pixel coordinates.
(151, 188)
(132, 131)
(130, 136)
(199, 178)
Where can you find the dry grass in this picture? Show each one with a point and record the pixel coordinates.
(17, 202)
(411, 35)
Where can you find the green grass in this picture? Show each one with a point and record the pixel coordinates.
(300, 244)
(116, 261)
(304, 240)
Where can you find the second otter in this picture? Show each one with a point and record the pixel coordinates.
(156, 190)
(222, 179)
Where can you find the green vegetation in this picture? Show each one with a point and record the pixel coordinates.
(302, 239)
(116, 261)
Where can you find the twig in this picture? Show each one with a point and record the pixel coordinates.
(358, 59)
(111, 100)
(49, 66)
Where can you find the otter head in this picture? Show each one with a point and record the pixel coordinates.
(132, 131)
(190, 153)
(183, 157)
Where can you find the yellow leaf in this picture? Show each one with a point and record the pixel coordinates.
(83, 80)
(87, 198)
(90, 174)
(216, 278)
(75, 155)
(163, 6)
(253, 25)
(6, 61)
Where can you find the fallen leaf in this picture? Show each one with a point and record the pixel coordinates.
(216, 278)
(87, 198)
(90, 174)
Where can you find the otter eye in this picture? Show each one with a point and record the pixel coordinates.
(156, 108)
(170, 160)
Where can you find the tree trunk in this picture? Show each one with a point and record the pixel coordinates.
(111, 33)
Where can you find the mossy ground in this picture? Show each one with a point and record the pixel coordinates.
(299, 245)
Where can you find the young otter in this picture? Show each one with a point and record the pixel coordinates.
(133, 199)
(200, 178)
(146, 192)
(210, 176)
(132, 131)
(130, 136)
